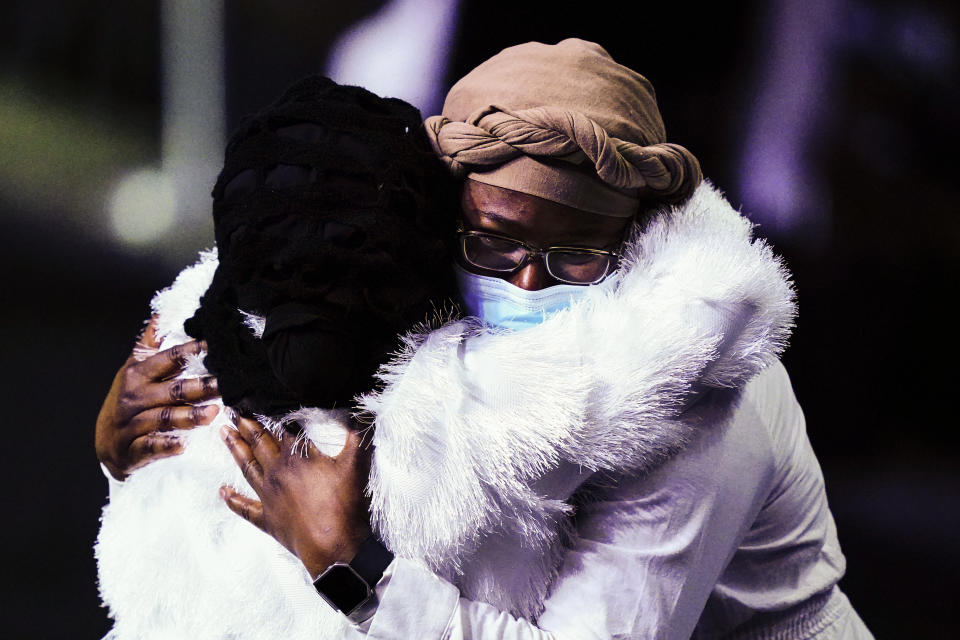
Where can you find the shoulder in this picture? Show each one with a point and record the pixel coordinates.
(733, 446)
(750, 411)
(770, 396)
(737, 433)
(773, 382)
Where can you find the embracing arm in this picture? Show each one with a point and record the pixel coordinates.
(151, 400)
(314, 507)
(647, 554)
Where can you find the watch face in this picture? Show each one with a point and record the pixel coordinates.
(342, 588)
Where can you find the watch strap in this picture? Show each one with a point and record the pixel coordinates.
(349, 587)
(371, 560)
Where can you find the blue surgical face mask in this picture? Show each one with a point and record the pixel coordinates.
(501, 304)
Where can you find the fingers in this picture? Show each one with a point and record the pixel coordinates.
(177, 392)
(244, 457)
(247, 508)
(170, 361)
(149, 336)
(168, 418)
(152, 446)
(261, 441)
(146, 343)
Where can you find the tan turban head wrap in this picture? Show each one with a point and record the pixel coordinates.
(566, 123)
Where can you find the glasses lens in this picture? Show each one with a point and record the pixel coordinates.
(578, 267)
(495, 254)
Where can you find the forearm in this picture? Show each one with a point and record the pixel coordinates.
(415, 603)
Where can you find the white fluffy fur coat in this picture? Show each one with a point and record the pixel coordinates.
(481, 438)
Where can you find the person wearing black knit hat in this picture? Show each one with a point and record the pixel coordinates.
(332, 240)
(331, 232)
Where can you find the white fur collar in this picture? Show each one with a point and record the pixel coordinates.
(469, 419)
(477, 431)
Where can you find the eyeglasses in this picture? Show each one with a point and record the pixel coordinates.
(570, 265)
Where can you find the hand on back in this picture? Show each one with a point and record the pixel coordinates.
(313, 504)
(147, 406)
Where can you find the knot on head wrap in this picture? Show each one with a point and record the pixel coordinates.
(332, 228)
(568, 102)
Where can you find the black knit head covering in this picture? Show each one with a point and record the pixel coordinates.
(332, 219)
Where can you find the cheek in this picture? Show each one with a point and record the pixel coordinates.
(533, 277)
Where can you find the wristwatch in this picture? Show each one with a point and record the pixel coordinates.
(348, 586)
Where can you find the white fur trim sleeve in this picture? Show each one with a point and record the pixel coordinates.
(173, 561)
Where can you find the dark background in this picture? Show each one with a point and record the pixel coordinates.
(872, 243)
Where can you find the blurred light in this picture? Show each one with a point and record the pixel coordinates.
(167, 209)
(59, 156)
(400, 52)
(194, 120)
(143, 207)
(778, 187)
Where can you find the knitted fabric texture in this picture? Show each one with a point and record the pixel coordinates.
(569, 102)
(331, 219)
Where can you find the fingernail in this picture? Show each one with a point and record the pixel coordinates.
(210, 411)
(223, 493)
(225, 433)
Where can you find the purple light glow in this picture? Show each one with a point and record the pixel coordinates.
(780, 187)
(401, 52)
(777, 187)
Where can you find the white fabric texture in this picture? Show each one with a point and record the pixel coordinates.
(733, 528)
(482, 437)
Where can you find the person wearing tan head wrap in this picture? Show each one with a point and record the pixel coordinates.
(566, 123)
(655, 409)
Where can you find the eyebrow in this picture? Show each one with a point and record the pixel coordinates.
(496, 217)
